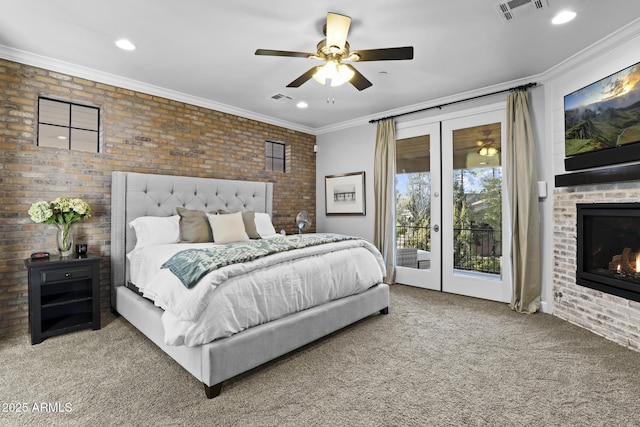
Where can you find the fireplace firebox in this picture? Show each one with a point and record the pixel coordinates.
(608, 240)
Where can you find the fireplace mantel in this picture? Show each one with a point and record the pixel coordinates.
(599, 176)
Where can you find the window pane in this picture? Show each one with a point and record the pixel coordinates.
(84, 140)
(66, 125)
(477, 201)
(53, 136)
(54, 112)
(278, 165)
(84, 117)
(275, 156)
(278, 150)
(413, 202)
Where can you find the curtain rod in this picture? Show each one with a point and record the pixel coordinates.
(513, 89)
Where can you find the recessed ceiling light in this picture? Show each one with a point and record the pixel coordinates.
(62, 137)
(563, 17)
(302, 104)
(125, 44)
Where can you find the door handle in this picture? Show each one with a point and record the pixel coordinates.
(436, 228)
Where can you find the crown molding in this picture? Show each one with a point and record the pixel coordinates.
(601, 47)
(595, 50)
(63, 67)
(459, 97)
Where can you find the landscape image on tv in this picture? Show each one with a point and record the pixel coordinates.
(605, 114)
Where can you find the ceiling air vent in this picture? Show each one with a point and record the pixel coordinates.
(281, 97)
(510, 10)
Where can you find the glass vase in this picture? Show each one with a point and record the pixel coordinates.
(64, 239)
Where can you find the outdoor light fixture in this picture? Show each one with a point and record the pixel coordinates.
(487, 147)
(488, 151)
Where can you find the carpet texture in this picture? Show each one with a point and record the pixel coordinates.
(435, 360)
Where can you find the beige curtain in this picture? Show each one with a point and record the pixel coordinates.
(523, 198)
(384, 175)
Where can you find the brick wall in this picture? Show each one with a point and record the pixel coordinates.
(141, 133)
(612, 317)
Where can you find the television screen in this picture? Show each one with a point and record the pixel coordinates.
(603, 115)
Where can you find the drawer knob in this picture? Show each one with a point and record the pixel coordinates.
(67, 275)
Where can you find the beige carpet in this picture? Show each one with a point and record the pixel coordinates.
(435, 360)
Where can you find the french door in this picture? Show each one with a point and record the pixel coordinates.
(451, 207)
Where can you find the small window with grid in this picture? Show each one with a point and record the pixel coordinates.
(275, 156)
(67, 125)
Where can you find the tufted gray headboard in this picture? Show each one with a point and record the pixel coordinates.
(135, 194)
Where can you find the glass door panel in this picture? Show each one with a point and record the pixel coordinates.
(474, 207)
(418, 206)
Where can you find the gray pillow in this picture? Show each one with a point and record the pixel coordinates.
(194, 226)
(248, 217)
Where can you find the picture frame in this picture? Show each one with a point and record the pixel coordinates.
(345, 194)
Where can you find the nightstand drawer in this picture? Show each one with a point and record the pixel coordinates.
(61, 275)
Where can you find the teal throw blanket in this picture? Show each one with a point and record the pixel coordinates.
(191, 265)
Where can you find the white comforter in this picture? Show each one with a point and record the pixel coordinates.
(238, 296)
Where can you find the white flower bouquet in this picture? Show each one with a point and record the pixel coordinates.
(61, 212)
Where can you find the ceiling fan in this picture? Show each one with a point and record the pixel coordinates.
(333, 50)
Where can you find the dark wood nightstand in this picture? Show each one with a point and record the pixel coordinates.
(64, 295)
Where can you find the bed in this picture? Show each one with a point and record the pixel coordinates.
(136, 195)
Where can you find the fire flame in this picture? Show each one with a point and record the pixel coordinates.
(638, 262)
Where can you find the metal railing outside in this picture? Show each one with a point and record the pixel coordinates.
(475, 249)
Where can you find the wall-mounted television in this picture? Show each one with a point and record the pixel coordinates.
(602, 121)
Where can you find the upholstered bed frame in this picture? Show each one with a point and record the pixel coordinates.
(135, 195)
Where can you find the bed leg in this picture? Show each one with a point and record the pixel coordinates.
(212, 391)
(384, 310)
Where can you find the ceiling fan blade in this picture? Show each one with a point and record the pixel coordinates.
(303, 78)
(358, 80)
(337, 29)
(389, 54)
(269, 52)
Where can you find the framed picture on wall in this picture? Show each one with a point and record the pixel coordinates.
(344, 194)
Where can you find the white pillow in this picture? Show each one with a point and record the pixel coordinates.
(156, 230)
(264, 227)
(227, 228)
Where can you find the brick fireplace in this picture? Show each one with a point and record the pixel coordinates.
(614, 317)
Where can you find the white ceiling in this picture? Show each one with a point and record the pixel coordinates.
(203, 50)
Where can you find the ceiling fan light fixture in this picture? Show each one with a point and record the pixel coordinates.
(333, 73)
(488, 151)
(353, 57)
